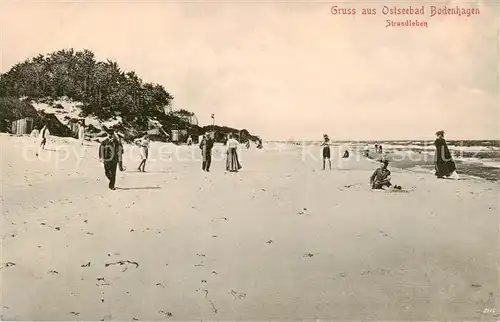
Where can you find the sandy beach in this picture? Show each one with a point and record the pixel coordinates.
(281, 240)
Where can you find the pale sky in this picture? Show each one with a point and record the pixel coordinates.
(286, 70)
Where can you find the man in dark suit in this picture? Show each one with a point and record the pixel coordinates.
(109, 154)
(206, 146)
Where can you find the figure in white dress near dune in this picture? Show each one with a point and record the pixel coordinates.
(44, 134)
(143, 144)
(81, 133)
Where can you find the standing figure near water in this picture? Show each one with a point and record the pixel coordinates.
(143, 144)
(206, 146)
(232, 162)
(326, 151)
(443, 162)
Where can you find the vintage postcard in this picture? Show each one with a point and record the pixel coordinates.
(249, 160)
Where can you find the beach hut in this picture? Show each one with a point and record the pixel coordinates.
(154, 132)
(22, 126)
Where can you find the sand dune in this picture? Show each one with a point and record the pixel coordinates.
(281, 240)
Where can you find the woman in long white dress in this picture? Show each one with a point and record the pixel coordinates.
(81, 133)
(232, 162)
(143, 144)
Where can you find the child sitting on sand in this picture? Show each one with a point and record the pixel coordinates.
(381, 178)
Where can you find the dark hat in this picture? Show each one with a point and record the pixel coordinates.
(440, 132)
(385, 162)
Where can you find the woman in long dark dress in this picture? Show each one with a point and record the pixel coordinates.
(444, 164)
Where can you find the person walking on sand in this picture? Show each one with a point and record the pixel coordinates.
(109, 151)
(326, 151)
(232, 162)
(206, 146)
(44, 134)
(443, 161)
(81, 132)
(143, 144)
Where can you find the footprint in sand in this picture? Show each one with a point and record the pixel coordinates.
(167, 314)
(102, 282)
(383, 233)
(377, 271)
(123, 263)
(237, 296)
(302, 212)
(8, 264)
(85, 265)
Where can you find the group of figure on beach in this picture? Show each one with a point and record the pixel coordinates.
(232, 161)
(111, 155)
(444, 165)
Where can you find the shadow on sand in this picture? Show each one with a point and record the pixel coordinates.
(146, 172)
(139, 188)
